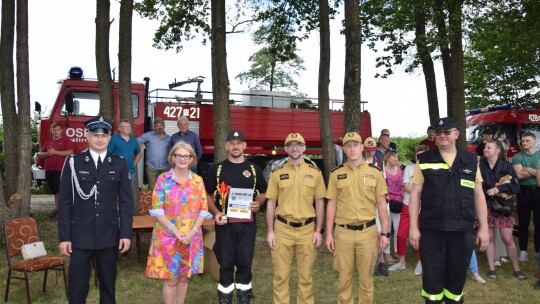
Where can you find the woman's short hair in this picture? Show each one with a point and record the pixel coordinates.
(183, 145)
(498, 145)
(389, 153)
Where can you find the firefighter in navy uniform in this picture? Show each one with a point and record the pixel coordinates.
(235, 238)
(447, 185)
(95, 213)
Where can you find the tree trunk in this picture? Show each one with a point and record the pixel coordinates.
(220, 80)
(103, 65)
(23, 108)
(458, 84)
(124, 60)
(124, 78)
(7, 100)
(324, 97)
(439, 19)
(351, 87)
(427, 63)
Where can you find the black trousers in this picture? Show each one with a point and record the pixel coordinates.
(234, 247)
(79, 274)
(528, 200)
(445, 259)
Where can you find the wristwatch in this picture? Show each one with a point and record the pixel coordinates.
(386, 234)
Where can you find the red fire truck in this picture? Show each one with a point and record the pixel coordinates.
(266, 118)
(509, 118)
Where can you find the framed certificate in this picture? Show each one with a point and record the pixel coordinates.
(238, 203)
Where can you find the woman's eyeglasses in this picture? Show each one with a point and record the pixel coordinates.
(182, 156)
(445, 132)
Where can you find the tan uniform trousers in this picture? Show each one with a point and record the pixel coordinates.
(355, 248)
(288, 241)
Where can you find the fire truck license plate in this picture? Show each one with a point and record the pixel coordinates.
(177, 111)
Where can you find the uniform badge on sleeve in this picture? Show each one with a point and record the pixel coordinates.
(246, 173)
(283, 176)
(342, 176)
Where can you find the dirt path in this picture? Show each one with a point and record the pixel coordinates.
(42, 203)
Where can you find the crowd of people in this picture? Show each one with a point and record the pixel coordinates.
(440, 204)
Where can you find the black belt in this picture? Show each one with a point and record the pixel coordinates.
(359, 227)
(295, 224)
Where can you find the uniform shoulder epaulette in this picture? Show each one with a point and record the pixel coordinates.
(340, 166)
(278, 167)
(314, 167)
(374, 166)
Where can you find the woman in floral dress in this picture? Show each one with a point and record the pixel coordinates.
(180, 208)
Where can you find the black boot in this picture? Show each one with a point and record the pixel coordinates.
(224, 298)
(244, 296)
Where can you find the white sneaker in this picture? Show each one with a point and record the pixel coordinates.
(479, 279)
(418, 270)
(397, 266)
(497, 263)
(523, 256)
(504, 260)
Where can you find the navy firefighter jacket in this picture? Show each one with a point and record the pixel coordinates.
(447, 200)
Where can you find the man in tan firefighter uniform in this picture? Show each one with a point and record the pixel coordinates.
(448, 184)
(295, 226)
(355, 190)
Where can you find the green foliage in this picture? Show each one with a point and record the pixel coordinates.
(34, 134)
(392, 22)
(179, 20)
(274, 64)
(406, 146)
(502, 62)
(43, 188)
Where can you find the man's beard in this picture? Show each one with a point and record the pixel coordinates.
(295, 158)
(240, 154)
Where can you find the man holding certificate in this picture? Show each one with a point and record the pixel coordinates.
(295, 226)
(236, 189)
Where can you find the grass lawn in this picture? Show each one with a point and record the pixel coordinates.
(401, 286)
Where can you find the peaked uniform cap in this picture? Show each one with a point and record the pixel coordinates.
(99, 125)
(445, 123)
(351, 136)
(370, 144)
(295, 137)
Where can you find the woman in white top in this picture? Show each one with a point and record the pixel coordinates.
(404, 221)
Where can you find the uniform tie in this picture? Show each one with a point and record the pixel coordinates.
(99, 163)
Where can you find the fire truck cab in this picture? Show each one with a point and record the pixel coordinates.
(509, 118)
(266, 118)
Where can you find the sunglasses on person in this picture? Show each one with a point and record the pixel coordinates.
(445, 132)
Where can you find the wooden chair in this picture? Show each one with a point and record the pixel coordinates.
(19, 232)
(145, 203)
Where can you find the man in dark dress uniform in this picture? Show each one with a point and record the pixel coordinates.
(95, 213)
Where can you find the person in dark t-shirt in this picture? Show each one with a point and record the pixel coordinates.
(235, 237)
